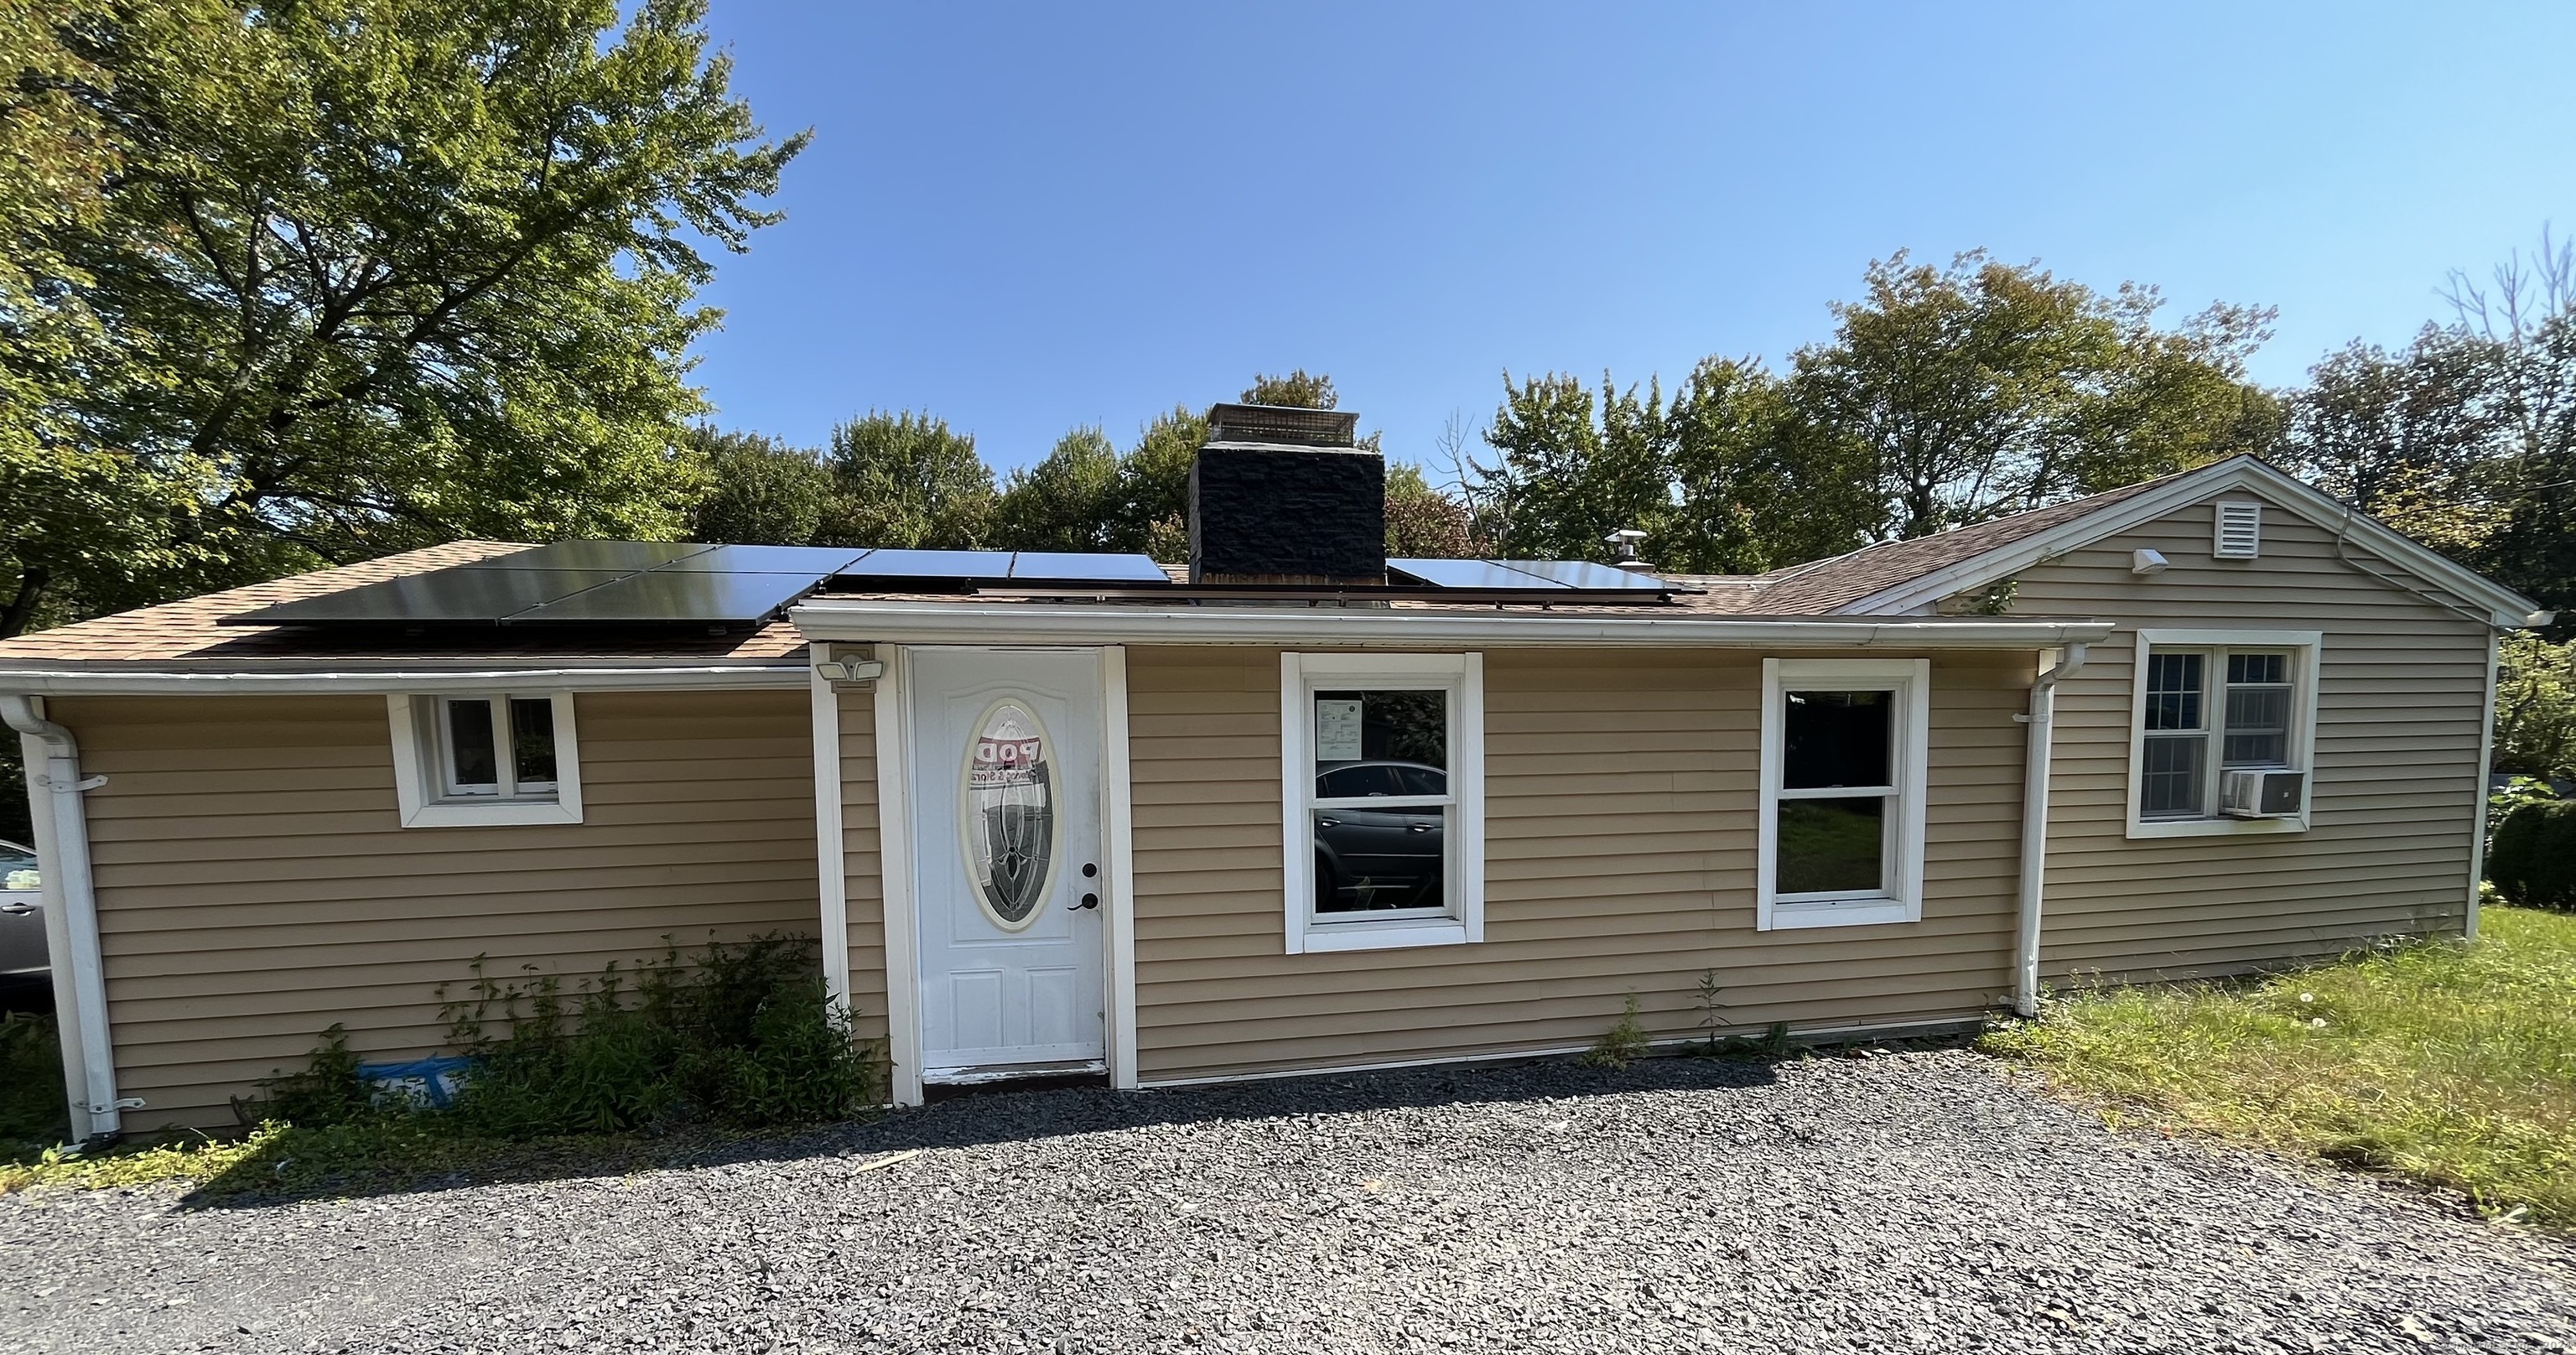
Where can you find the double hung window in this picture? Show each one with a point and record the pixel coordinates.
(1841, 838)
(486, 758)
(1383, 783)
(2210, 702)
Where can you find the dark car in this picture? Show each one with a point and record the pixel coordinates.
(1367, 860)
(22, 919)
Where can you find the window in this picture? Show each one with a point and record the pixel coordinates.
(2210, 702)
(1383, 789)
(1843, 747)
(497, 758)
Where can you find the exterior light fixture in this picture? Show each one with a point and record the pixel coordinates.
(850, 670)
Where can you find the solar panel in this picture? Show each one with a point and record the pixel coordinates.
(677, 596)
(621, 556)
(1586, 575)
(931, 564)
(820, 562)
(458, 594)
(1469, 574)
(1082, 567)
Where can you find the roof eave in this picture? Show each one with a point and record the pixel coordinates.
(2504, 607)
(863, 619)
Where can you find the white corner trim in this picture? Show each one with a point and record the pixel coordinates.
(1911, 679)
(1463, 676)
(2478, 806)
(831, 864)
(1118, 845)
(415, 770)
(894, 874)
(2308, 647)
(2236, 474)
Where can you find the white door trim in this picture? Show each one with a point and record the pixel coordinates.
(895, 835)
(1117, 844)
(894, 873)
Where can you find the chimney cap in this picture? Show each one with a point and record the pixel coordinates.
(1283, 425)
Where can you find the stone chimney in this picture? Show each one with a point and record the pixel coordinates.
(1287, 496)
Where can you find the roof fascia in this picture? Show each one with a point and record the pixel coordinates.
(859, 619)
(2505, 607)
(143, 679)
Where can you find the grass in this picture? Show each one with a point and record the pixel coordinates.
(281, 1160)
(2449, 1063)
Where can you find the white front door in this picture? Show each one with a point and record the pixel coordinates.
(1008, 886)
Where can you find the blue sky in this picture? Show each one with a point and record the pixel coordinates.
(1024, 218)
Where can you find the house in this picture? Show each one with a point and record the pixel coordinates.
(1294, 807)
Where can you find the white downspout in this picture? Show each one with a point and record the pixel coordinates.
(69, 888)
(2034, 827)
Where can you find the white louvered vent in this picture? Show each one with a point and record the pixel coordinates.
(2240, 531)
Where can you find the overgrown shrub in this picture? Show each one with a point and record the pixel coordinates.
(737, 1034)
(2533, 859)
(32, 1114)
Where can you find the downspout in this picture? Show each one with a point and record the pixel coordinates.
(2034, 827)
(69, 886)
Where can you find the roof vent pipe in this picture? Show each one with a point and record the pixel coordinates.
(69, 891)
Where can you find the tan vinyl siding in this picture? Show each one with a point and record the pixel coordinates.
(2395, 783)
(254, 886)
(863, 874)
(1621, 801)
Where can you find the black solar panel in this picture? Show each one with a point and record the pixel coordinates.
(625, 557)
(445, 595)
(672, 596)
(821, 562)
(1031, 566)
(931, 564)
(1586, 575)
(1469, 574)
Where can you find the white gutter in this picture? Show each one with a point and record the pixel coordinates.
(1104, 623)
(137, 679)
(2034, 828)
(68, 887)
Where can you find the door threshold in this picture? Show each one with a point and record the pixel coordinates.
(941, 1084)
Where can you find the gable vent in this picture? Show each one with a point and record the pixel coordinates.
(2240, 531)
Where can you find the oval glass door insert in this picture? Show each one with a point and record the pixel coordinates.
(1008, 820)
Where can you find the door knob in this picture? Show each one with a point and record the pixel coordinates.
(1088, 901)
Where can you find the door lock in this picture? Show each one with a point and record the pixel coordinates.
(1088, 901)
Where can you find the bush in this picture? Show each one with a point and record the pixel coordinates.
(739, 1034)
(32, 1114)
(2533, 861)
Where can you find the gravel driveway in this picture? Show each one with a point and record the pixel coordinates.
(1911, 1200)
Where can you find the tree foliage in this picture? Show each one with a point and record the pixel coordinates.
(2535, 716)
(1067, 501)
(760, 491)
(372, 274)
(905, 481)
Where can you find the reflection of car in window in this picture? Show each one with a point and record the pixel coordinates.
(22, 916)
(1368, 860)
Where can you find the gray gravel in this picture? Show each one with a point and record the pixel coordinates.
(1910, 1200)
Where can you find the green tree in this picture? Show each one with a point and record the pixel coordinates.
(760, 491)
(2535, 716)
(378, 273)
(1296, 390)
(1151, 506)
(1067, 501)
(2410, 438)
(2524, 322)
(1986, 388)
(906, 481)
(1757, 487)
(1422, 521)
(1569, 472)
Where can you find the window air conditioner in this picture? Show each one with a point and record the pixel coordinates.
(2261, 793)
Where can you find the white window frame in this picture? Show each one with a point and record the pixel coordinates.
(1909, 753)
(2305, 647)
(420, 765)
(1463, 677)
